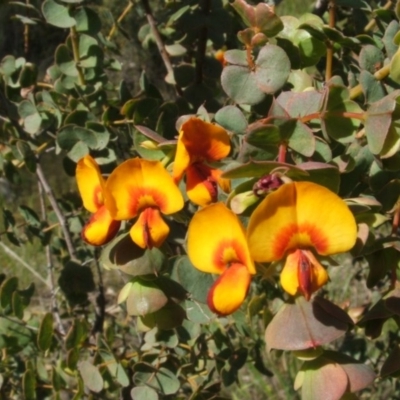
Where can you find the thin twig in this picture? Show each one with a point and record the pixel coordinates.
(100, 309)
(119, 20)
(60, 216)
(329, 49)
(75, 50)
(16, 257)
(205, 7)
(160, 44)
(26, 36)
(371, 24)
(50, 268)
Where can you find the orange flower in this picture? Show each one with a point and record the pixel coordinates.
(217, 244)
(143, 188)
(101, 227)
(199, 143)
(293, 222)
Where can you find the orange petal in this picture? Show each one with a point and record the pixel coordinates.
(137, 184)
(182, 160)
(302, 273)
(90, 183)
(300, 215)
(150, 230)
(224, 184)
(100, 228)
(201, 187)
(216, 239)
(203, 140)
(229, 290)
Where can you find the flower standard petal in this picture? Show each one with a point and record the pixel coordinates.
(150, 230)
(300, 215)
(321, 210)
(216, 239)
(182, 160)
(204, 141)
(90, 183)
(100, 228)
(229, 290)
(136, 184)
(274, 217)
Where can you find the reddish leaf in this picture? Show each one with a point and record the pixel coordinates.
(359, 375)
(327, 381)
(378, 120)
(392, 363)
(303, 325)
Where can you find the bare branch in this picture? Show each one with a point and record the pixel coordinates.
(50, 268)
(61, 219)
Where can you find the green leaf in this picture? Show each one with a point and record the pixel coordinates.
(311, 50)
(7, 288)
(116, 370)
(64, 61)
(298, 105)
(241, 85)
(337, 125)
(170, 316)
(29, 385)
(197, 283)
(76, 335)
(162, 379)
(28, 75)
(91, 376)
(231, 118)
(30, 216)
(371, 58)
(125, 255)
(145, 297)
(17, 305)
(8, 65)
(57, 14)
(272, 68)
(29, 113)
(260, 168)
(87, 21)
(143, 393)
(45, 332)
(90, 53)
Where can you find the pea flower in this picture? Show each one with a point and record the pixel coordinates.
(101, 227)
(200, 143)
(217, 244)
(296, 221)
(143, 188)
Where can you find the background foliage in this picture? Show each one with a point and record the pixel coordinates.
(112, 80)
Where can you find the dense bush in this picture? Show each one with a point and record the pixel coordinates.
(234, 228)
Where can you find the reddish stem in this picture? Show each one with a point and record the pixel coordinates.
(323, 114)
(282, 152)
(249, 56)
(395, 227)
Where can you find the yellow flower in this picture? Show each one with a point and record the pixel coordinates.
(101, 227)
(143, 188)
(293, 222)
(199, 143)
(217, 244)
